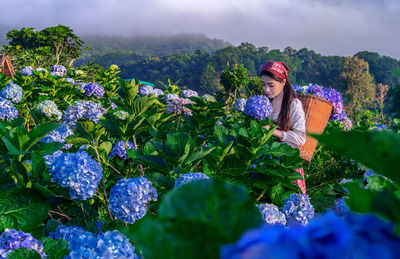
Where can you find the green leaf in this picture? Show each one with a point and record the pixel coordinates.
(152, 161)
(141, 104)
(49, 148)
(12, 150)
(198, 155)
(187, 229)
(39, 132)
(77, 140)
(380, 151)
(87, 126)
(55, 248)
(38, 165)
(23, 253)
(277, 195)
(105, 148)
(22, 209)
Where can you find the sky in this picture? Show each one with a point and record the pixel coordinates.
(329, 27)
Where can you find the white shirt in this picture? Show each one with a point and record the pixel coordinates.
(297, 136)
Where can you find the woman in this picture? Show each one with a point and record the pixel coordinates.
(287, 111)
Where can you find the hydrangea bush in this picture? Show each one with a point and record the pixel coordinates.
(129, 198)
(298, 209)
(258, 107)
(12, 239)
(7, 110)
(119, 149)
(186, 178)
(12, 92)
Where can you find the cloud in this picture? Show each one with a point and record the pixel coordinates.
(334, 27)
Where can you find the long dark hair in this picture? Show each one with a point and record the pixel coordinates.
(284, 120)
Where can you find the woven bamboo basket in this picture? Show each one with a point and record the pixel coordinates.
(317, 111)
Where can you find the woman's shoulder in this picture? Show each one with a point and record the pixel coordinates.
(296, 104)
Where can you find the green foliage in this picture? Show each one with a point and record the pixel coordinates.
(380, 151)
(23, 209)
(56, 249)
(23, 253)
(187, 229)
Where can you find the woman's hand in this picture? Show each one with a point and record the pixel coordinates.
(277, 133)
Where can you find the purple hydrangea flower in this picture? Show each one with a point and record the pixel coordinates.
(298, 209)
(146, 90)
(7, 111)
(111, 244)
(186, 178)
(271, 214)
(340, 206)
(94, 89)
(240, 104)
(298, 89)
(87, 110)
(78, 172)
(377, 127)
(157, 92)
(75, 236)
(129, 197)
(58, 70)
(27, 71)
(315, 90)
(258, 107)
(335, 98)
(12, 92)
(189, 93)
(113, 106)
(12, 239)
(49, 108)
(177, 106)
(119, 149)
(169, 97)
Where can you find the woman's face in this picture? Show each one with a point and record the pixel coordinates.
(272, 87)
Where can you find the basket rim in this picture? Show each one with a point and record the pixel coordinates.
(305, 96)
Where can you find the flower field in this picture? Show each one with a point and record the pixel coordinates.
(93, 166)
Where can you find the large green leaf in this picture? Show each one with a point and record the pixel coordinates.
(187, 229)
(39, 132)
(56, 249)
(198, 155)
(379, 151)
(23, 253)
(22, 209)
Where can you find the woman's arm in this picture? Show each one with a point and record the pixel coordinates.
(297, 136)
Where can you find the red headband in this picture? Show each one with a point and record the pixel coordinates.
(277, 68)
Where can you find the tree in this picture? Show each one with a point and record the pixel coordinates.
(208, 79)
(358, 83)
(56, 44)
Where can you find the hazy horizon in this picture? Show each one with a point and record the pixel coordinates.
(335, 27)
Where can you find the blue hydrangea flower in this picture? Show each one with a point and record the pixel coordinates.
(146, 90)
(49, 108)
(189, 93)
(169, 97)
(240, 104)
(27, 71)
(113, 106)
(86, 110)
(328, 236)
(258, 107)
(59, 135)
(58, 70)
(157, 92)
(209, 98)
(315, 90)
(186, 178)
(298, 89)
(377, 127)
(12, 239)
(340, 206)
(81, 86)
(70, 80)
(7, 111)
(271, 214)
(298, 209)
(78, 172)
(49, 159)
(119, 149)
(129, 197)
(75, 236)
(12, 92)
(335, 98)
(94, 89)
(111, 244)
